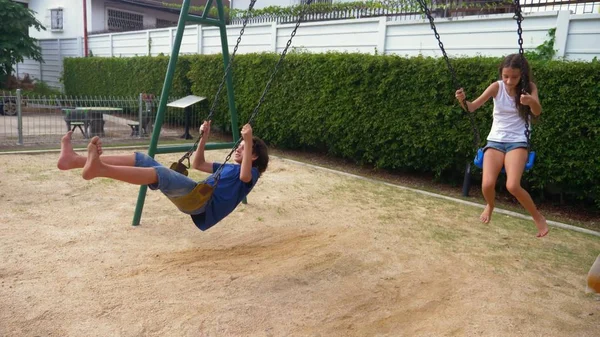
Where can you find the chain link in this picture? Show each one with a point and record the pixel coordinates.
(217, 173)
(457, 86)
(524, 75)
(213, 108)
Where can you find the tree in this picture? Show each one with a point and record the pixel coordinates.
(15, 43)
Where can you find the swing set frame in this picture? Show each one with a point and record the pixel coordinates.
(153, 149)
(203, 192)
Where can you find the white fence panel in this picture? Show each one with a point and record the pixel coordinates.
(257, 38)
(160, 42)
(583, 41)
(52, 67)
(492, 36)
(71, 48)
(130, 44)
(100, 45)
(53, 53)
(29, 67)
(189, 41)
(358, 36)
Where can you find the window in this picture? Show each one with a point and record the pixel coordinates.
(56, 19)
(119, 21)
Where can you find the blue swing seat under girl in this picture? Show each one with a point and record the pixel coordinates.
(478, 161)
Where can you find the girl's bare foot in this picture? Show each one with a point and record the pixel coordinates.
(542, 226)
(68, 157)
(486, 216)
(93, 166)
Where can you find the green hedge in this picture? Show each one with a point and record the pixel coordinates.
(400, 113)
(118, 76)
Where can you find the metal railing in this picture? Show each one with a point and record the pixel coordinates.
(409, 10)
(43, 120)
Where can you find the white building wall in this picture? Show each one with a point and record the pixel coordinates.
(72, 18)
(96, 16)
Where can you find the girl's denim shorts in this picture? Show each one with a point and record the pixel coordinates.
(504, 147)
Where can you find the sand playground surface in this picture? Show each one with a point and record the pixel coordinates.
(313, 253)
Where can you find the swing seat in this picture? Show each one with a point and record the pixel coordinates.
(593, 278)
(478, 161)
(194, 200)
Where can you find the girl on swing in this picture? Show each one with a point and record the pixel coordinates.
(507, 142)
(236, 180)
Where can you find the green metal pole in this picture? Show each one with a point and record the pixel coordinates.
(229, 81)
(166, 90)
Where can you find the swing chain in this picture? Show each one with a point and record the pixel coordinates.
(457, 86)
(189, 153)
(524, 75)
(437, 36)
(217, 173)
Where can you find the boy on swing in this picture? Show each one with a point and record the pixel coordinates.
(236, 180)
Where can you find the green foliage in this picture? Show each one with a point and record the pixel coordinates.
(545, 51)
(123, 76)
(212, 13)
(364, 8)
(387, 111)
(400, 114)
(15, 43)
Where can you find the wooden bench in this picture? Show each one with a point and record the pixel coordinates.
(77, 119)
(147, 122)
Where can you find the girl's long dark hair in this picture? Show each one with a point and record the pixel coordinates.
(515, 61)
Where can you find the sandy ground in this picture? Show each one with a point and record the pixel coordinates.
(313, 253)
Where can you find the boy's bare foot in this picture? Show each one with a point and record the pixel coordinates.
(542, 226)
(93, 165)
(486, 215)
(67, 159)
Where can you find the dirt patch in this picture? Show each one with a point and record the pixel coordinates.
(313, 253)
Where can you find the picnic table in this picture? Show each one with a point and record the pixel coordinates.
(90, 120)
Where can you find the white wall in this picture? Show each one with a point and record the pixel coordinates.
(583, 40)
(577, 38)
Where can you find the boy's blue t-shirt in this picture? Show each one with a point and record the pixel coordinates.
(230, 191)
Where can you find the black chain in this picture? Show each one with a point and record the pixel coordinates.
(217, 173)
(213, 108)
(524, 75)
(457, 86)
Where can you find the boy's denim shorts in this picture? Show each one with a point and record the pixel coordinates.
(504, 147)
(170, 183)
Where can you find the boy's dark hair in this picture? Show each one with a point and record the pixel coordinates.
(260, 149)
(514, 61)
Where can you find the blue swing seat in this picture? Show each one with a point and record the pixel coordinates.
(478, 161)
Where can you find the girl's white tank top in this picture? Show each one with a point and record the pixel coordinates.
(508, 126)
